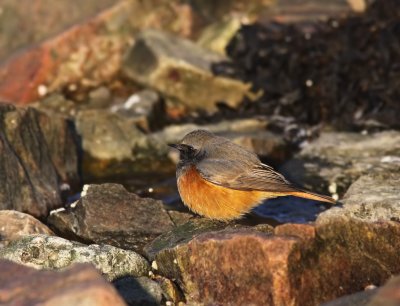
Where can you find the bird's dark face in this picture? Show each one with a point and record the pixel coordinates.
(187, 153)
(192, 147)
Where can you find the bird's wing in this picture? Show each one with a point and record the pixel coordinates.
(241, 175)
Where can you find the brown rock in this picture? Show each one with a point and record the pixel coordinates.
(15, 225)
(37, 152)
(80, 284)
(109, 214)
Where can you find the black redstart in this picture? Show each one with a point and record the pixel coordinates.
(221, 180)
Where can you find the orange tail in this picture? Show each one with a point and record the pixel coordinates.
(312, 196)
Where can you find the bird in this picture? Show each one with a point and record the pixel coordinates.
(221, 180)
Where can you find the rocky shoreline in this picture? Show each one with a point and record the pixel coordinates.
(89, 209)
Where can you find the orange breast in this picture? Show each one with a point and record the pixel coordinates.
(213, 201)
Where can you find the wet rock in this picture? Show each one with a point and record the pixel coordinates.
(145, 107)
(388, 294)
(78, 284)
(181, 70)
(38, 155)
(15, 225)
(113, 147)
(109, 214)
(141, 291)
(335, 160)
(47, 252)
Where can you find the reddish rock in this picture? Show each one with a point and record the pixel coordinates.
(14, 225)
(241, 268)
(78, 285)
(78, 52)
(36, 20)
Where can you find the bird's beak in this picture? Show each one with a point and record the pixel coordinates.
(174, 145)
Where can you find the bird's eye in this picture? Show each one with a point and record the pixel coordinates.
(191, 150)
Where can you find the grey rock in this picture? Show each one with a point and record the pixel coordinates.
(374, 197)
(141, 291)
(335, 160)
(181, 70)
(15, 225)
(50, 252)
(114, 147)
(33, 160)
(109, 214)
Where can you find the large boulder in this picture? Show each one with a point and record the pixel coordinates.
(77, 285)
(50, 252)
